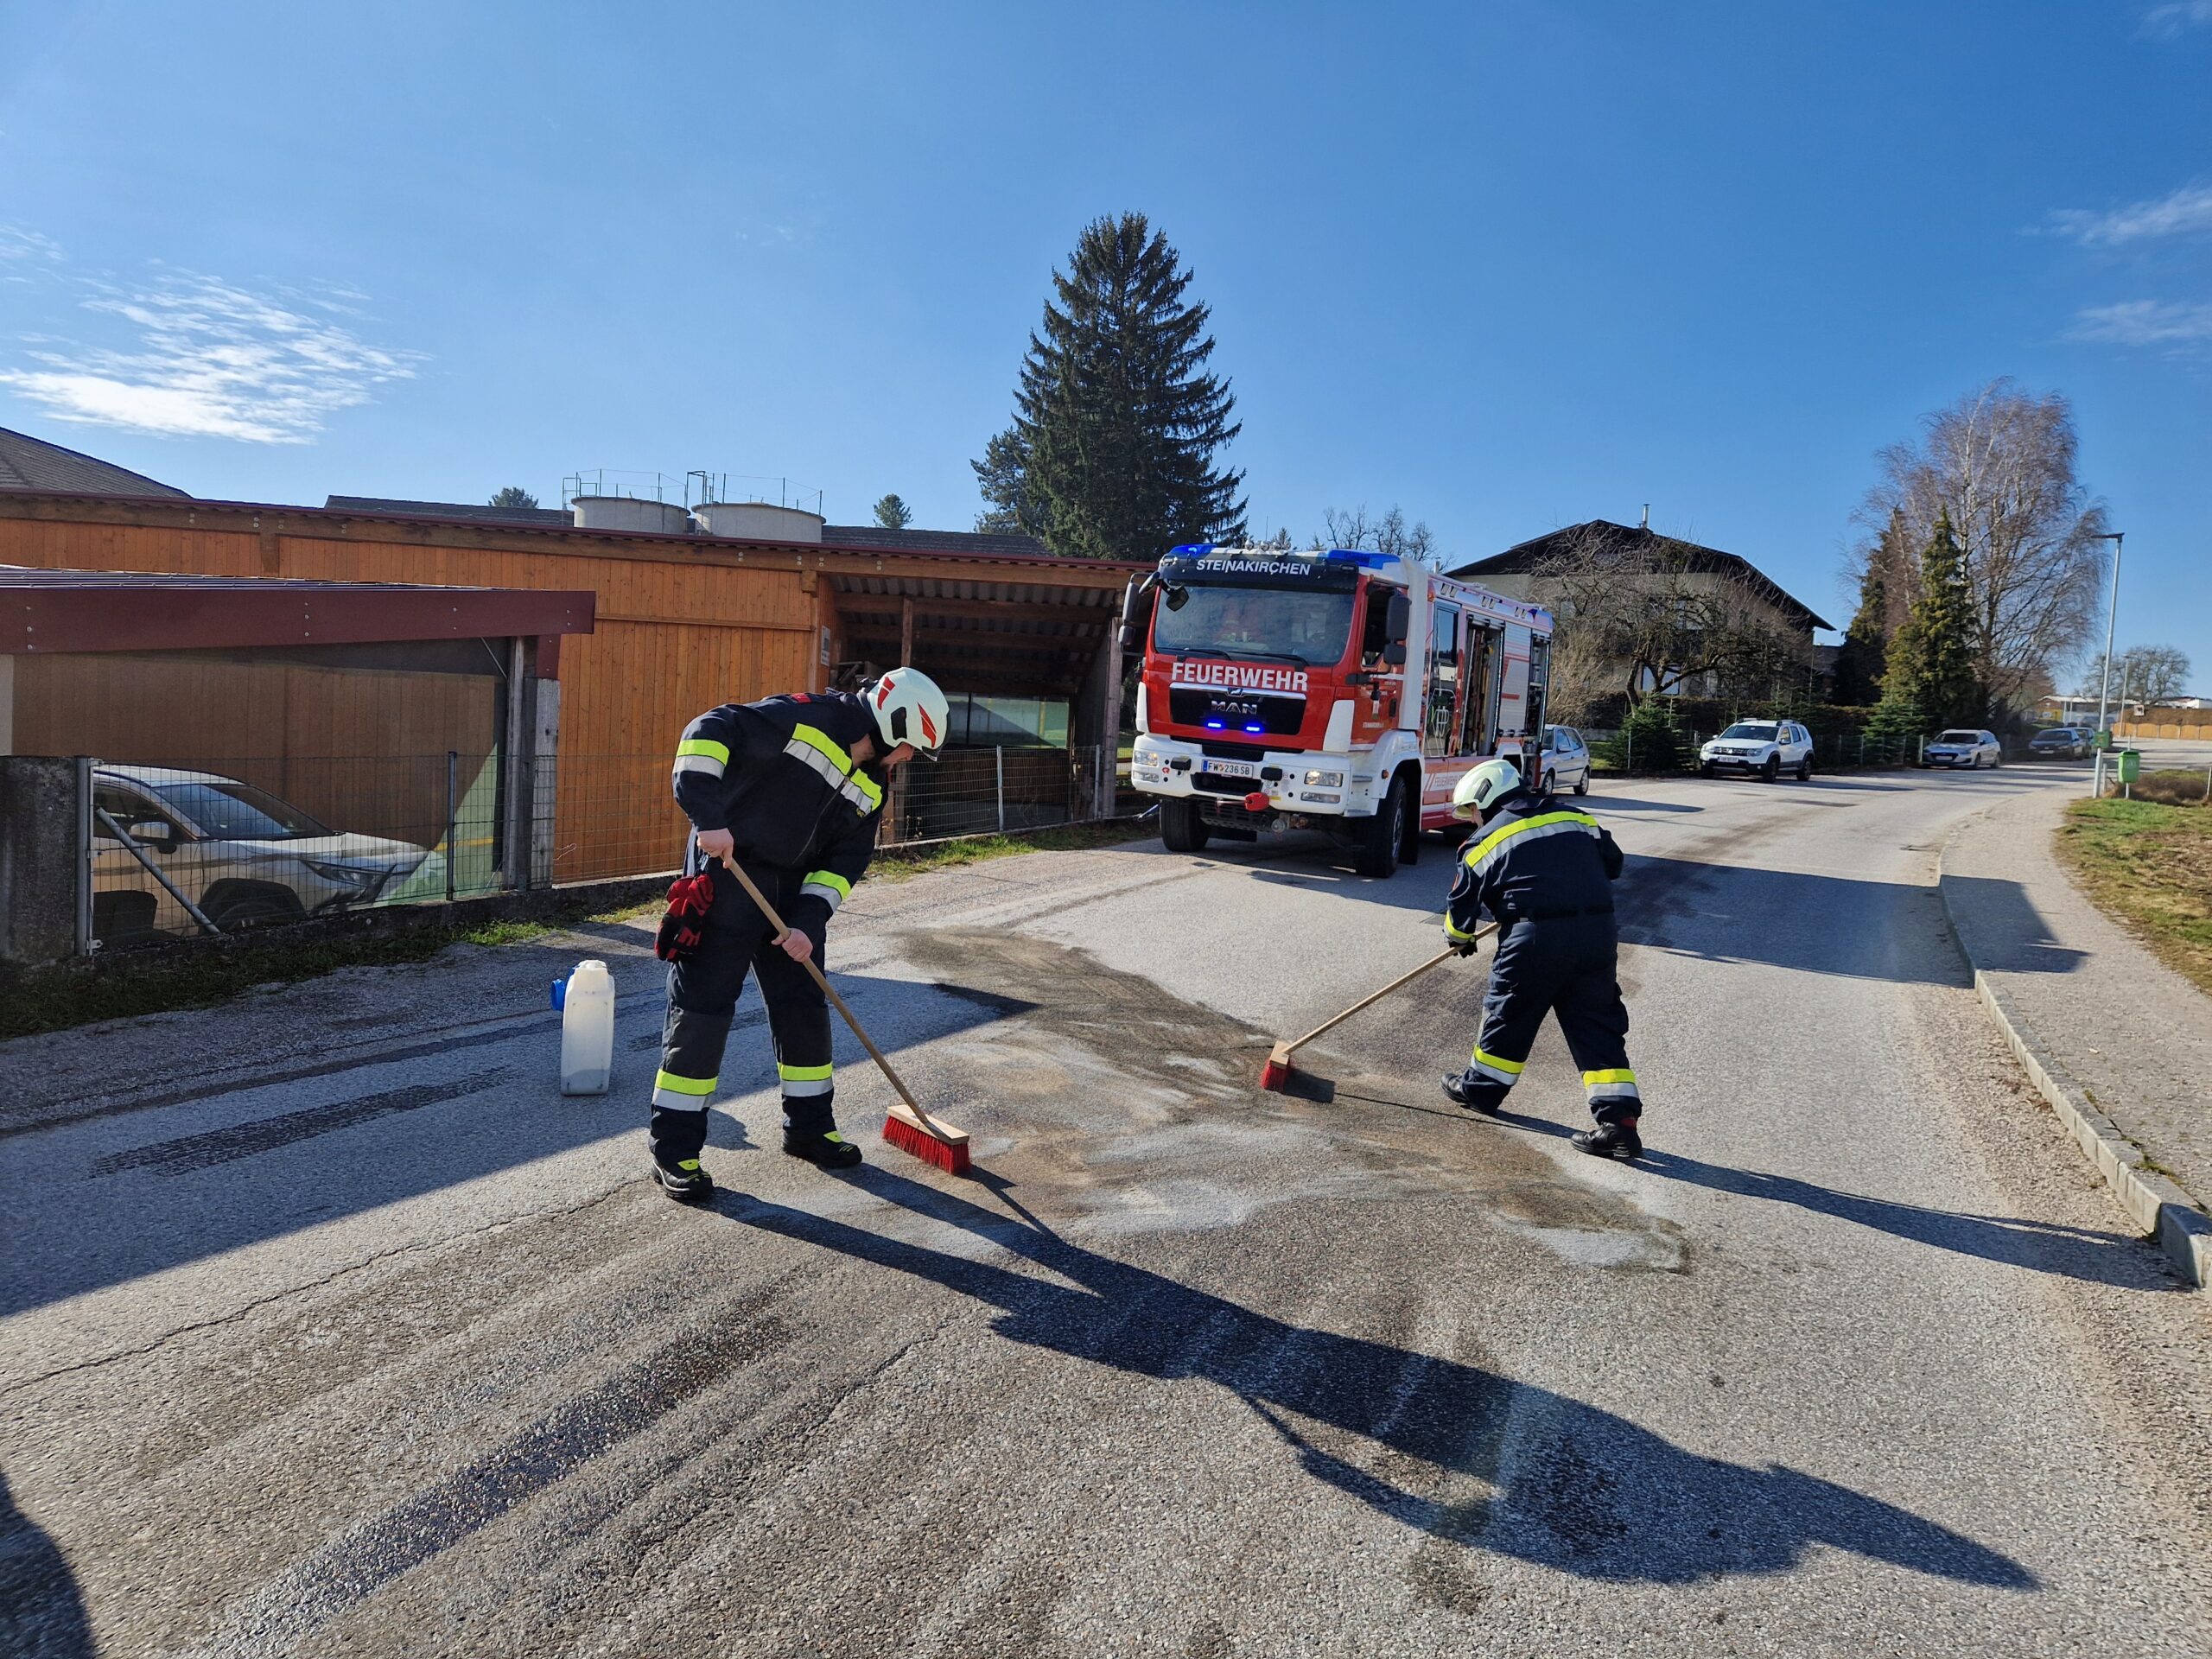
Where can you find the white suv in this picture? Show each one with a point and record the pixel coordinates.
(1769, 748)
(241, 855)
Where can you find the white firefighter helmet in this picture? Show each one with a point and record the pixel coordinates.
(1482, 787)
(909, 708)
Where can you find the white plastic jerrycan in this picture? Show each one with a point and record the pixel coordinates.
(587, 1030)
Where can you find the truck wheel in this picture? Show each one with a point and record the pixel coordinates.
(1409, 844)
(1181, 826)
(1381, 835)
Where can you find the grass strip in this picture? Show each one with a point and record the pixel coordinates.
(2149, 868)
(900, 864)
(54, 1001)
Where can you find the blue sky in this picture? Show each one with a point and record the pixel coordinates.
(1510, 266)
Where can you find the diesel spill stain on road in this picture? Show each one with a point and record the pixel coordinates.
(1141, 1111)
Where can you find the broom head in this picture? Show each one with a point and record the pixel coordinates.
(1275, 1074)
(935, 1141)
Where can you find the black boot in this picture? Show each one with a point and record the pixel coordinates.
(1477, 1094)
(683, 1181)
(1615, 1136)
(823, 1148)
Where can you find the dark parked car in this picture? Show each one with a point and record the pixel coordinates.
(2070, 742)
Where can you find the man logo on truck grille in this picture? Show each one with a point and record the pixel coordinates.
(1242, 677)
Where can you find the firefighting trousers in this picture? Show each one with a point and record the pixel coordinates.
(703, 993)
(1565, 966)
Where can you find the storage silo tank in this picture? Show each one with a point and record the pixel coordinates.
(626, 513)
(759, 521)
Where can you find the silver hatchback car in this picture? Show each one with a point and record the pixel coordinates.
(1566, 760)
(1961, 748)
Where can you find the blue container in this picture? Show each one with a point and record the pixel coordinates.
(560, 994)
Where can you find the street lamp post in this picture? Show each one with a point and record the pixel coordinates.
(2119, 540)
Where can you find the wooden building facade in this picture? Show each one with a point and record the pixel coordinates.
(683, 622)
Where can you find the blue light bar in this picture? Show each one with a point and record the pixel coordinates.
(1216, 725)
(1357, 556)
(1255, 728)
(1191, 550)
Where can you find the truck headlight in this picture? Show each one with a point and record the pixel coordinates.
(1326, 780)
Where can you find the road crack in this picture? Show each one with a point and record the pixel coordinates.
(246, 1309)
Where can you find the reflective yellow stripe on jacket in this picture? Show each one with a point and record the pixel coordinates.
(817, 749)
(1482, 854)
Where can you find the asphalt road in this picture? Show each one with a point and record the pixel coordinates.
(327, 1326)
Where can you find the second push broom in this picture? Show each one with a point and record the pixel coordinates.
(1277, 1072)
(905, 1126)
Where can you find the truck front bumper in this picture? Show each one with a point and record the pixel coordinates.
(1296, 782)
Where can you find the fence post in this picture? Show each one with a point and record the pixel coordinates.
(1628, 760)
(997, 769)
(82, 853)
(453, 808)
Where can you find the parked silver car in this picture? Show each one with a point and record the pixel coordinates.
(239, 852)
(1961, 748)
(1565, 761)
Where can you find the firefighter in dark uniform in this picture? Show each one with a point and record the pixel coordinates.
(1545, 872)
(793, 788)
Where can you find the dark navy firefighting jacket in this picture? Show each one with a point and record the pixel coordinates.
(780, 776)
(1536, 860)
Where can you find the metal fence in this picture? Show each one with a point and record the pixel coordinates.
(241, 844)
(1833, 751)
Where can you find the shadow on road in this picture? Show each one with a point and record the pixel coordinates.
(2008, 933)
(1602, 802)
(195, 1172)
(41, 1615)
(1519, 1470)
(2084, 1253)
(1787, 918)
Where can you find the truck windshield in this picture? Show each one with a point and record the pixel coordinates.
(1271, 624)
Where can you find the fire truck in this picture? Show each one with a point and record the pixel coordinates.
(1342, 690)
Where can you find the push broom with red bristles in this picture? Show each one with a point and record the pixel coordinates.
(1276, 1073)
(905, 1126)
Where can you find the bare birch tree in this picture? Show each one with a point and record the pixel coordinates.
(2001, 464)
(1389, 534)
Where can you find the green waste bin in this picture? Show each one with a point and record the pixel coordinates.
(2101, 738)
(2130, 766)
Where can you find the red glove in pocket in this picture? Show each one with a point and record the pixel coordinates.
(685, 923)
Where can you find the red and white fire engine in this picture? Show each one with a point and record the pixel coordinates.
(1342, 691)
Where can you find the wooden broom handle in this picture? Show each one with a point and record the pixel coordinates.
(866, 1042)
(1486, 929)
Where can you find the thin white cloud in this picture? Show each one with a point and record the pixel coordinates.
(18, 245)
(2145, 322)
(2177, 18)
(211, 360)
(2187, 211)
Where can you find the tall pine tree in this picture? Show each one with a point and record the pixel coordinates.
(1931, 657)
(1116, 423)
(1865, 642)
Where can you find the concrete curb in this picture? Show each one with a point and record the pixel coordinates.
(2156, 1205)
